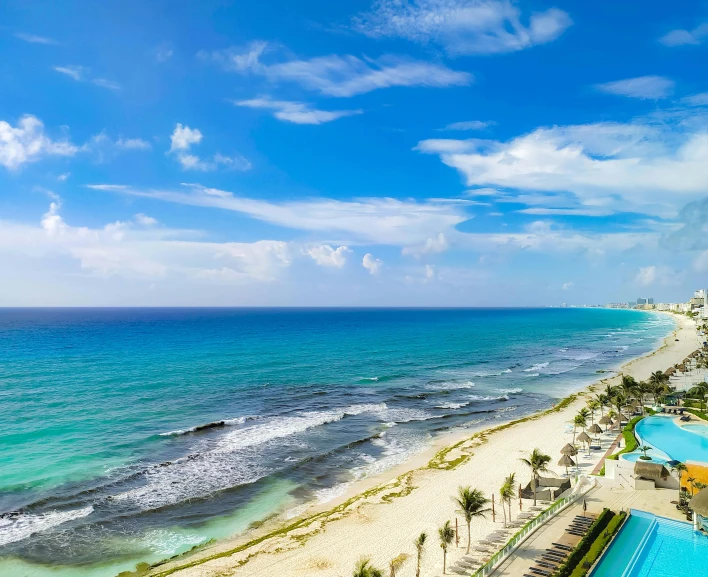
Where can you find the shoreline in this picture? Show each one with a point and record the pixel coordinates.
(449, 454)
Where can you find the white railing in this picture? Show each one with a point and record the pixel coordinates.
(500, 556)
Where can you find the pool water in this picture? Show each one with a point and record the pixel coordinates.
(698, 429)
(650, 546)
(655, 457)
(666, 436)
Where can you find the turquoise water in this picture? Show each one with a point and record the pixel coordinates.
(672, 440)
(698, 429)
(104, 463)
(654, 546)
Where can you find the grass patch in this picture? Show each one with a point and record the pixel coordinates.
(699, 414)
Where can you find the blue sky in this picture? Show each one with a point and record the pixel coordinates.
(429, 152)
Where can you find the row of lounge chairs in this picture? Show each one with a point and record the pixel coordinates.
(551, 559)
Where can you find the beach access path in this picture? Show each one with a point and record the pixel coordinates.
(382, 524)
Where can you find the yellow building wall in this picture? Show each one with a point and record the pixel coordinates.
(698, 472)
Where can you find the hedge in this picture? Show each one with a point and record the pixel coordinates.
(699, 414)
(599, 546)
(582, 548)
(630, 441)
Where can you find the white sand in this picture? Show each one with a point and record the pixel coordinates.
(382, 530)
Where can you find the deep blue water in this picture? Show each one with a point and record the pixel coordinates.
(101, 462)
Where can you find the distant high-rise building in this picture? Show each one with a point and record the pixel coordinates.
(650, 301)
(641, 301)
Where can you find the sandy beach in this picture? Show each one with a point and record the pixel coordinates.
(380, 517)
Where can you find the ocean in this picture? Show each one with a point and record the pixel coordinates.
(131, 435)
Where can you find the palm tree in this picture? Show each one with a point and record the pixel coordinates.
(471, 503)
(680, 469)
(396, 563)
(593, 405)
(628, 386)
(364, 568)
(644, 449)
(604, 401)
(446, 534)
(537, 462)
(619, 401)
(610, 391)
(699, 391)
(578, 421)
(419, 546)
(692, 482)
(507, 491)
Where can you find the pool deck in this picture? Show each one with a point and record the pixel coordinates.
(657, 501)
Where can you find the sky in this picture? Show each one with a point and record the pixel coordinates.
(352, 153)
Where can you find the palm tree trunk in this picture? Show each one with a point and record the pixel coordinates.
(469, 536)
(444, 560)
(533, 483)
(504, 511)
(417, 569)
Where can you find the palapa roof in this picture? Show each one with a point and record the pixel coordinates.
(699, 503)
(605, 420)
(584, 437)
(569, 450)
(649, 470)
(596, 428)
(566, 461)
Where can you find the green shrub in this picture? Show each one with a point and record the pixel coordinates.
(599, 546)
(581, 549)
(699, 414)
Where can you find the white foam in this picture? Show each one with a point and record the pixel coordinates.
(26, 525)
(510, 391)
(447, 386)
(533, 375)
(451, 406)
(493, 374)
(489, 398)
(330, 493)
(536, 367)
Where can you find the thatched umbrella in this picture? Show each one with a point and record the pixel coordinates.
(595, 429)
(569, 450)
(584, 438)
(566, 461)
(606, 421)
(699, 503)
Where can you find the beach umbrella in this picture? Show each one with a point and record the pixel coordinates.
(566, 461)
(584, 438)
(699, 503)
(606, 421)
(596, 429)
(569, 450)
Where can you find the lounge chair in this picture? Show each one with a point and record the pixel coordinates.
(561, 546)
(540, 571)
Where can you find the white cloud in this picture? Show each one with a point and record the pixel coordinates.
(646, 276)
(363, 221)
(700, 99)
(106, 83)
(76, 72)
(468, 125)
(163, 54)
(429, 271)
(183, 137)
(82, 74)
(34, 39)
(643, 87)
(145, 220)
(432, 245)
(567, 285)
(648, 166)
(342, 76)
(63, 177)
(296, 112)
(133, 143)
(463, 26)
(326, 255)
(138, 250)
(682, 37)
(373, 265)
(27, 142)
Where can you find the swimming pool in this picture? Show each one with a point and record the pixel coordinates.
(650, 546)
(698, 429)
(666, 436)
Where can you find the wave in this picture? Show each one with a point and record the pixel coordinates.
(209, 426)
(451, 406)
(449, 386)
(18, 526)
(533, 375)
(492, 374)
(504, 397)
(510, 391)
(536, 367)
